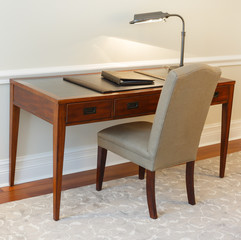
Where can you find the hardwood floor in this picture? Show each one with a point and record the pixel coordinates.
(44, 186)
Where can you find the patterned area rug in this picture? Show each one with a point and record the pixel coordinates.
(120, 211)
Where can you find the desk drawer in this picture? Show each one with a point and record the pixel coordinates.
(145, 104)
(221, 94)
(88, 111)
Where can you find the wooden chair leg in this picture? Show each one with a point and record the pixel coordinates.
(141, 173)
(101, 160)
(190, 182)
(150, 192)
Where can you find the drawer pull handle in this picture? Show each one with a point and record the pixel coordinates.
(132, 105)
(89, 110)
(216, 94)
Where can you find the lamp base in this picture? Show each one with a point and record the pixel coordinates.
(173, 67)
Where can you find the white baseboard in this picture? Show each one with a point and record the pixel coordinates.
(212, 133)
(39, 166)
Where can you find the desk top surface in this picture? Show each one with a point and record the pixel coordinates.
(58, 89)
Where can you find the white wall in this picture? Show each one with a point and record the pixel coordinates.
(53, 37)
(45, 33)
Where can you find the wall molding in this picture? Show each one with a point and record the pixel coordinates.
(5, 75)
(39, 166)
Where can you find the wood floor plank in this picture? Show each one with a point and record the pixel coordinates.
(41, 187)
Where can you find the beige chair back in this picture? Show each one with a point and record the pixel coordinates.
(181, 114)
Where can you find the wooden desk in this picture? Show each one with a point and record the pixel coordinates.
(63, 104)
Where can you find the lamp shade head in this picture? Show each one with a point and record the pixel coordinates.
(149, 17)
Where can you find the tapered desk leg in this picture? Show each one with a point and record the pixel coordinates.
(58, 157)
(13, 137)
(226, 119)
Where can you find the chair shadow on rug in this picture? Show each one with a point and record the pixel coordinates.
(174, 136)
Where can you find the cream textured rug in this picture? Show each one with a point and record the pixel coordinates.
(120, 211)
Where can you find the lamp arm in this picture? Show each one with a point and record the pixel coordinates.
(182, 37)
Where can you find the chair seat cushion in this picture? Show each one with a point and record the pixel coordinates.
(129, 140)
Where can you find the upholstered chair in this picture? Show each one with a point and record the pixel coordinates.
(174, 136)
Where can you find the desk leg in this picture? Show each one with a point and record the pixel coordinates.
(13, 137)
(226, 119)
(58, 157)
